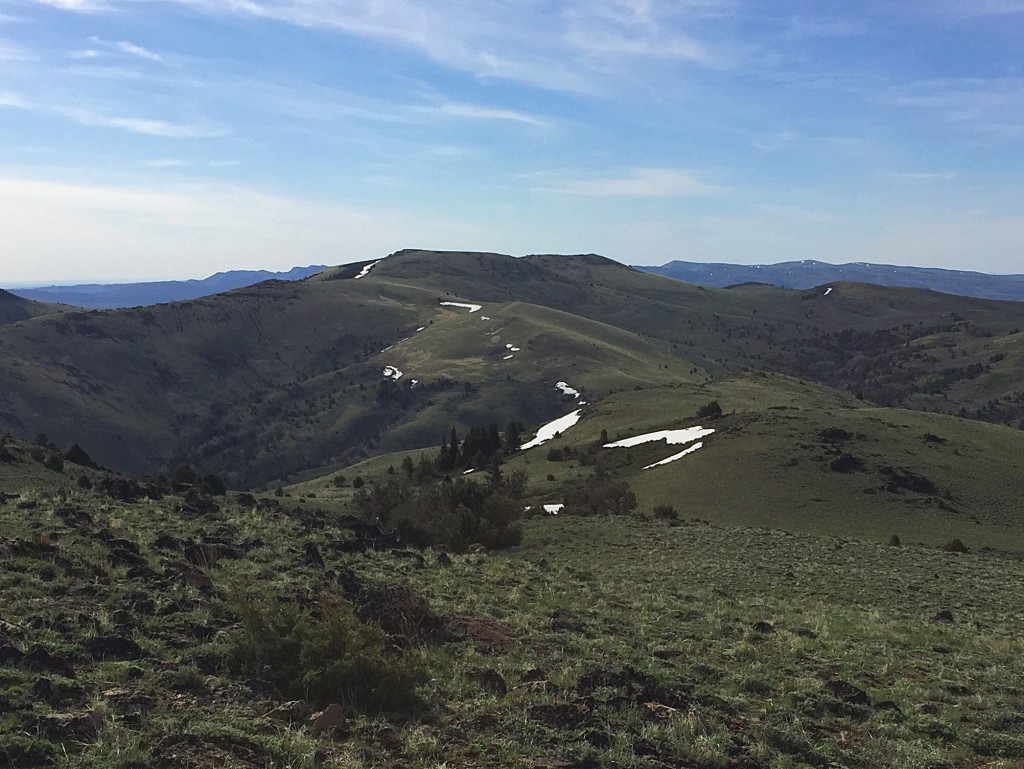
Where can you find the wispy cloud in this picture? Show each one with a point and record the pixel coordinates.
(972, 102)
(921, 176)
(624, 29)
(126, 47)
(476, 112)
(139, 125)
(12, 101)
(641, 183)
(11, 52)
(973, 8)
(80, 6)
(802, 26)
(144, 126)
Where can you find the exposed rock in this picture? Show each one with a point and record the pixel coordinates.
(81, 726)
(846, 463)
(42, 660)
(311, 555)
(289, 712)
(334, 717)
(490, 679)
(944, 616)
(847, 692)
(112, 647)
(57, 693)
(900, 478)
(486, 634)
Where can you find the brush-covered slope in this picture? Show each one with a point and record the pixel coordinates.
(278, 379)
(284, 378)
(210, 633)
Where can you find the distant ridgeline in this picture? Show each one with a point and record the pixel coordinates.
(809, 273)
(117, 295)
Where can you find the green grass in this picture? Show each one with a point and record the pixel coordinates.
(629, 643)
(769, 464)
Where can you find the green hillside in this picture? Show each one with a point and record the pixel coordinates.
(283, 381)
(785, 454)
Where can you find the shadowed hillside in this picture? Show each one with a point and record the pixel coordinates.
(14, 308)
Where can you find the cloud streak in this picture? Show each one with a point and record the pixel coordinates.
(137, 125)
(641, 183)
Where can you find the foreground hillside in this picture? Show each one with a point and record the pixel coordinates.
(285, 381)
(213, 632)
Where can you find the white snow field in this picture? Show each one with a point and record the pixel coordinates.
(392, 373)
(680, 455)
(564, 387)
(553, 509)
(671, 437)
(464, 305)
(551, 429)
(366, 270)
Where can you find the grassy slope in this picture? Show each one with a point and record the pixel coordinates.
(628, 644)
(279, 380)
(769, 463)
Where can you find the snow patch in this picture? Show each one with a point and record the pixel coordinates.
(828, 291)
(392, 373)
(485, 317)
(564, 387)
(421, 328)
(551, 429)
(508, 357)
(463, 305)
(553, 509)
(366, 270)
(511, 348)
(680, 455)
(671, 437)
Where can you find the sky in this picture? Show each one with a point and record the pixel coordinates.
(157, 139)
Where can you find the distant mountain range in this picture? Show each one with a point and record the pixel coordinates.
(119, 295)
(798, 275)
(809, 273)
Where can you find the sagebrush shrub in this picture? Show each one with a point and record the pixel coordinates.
(323, 657)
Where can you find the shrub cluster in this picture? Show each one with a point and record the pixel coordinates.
(323, 656)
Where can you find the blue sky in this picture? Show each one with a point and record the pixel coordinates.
(145, 139)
